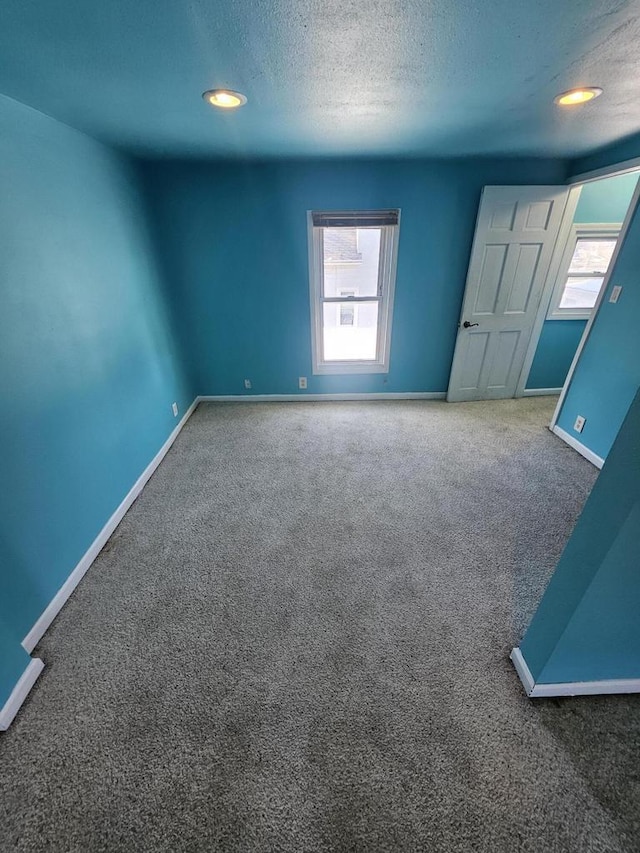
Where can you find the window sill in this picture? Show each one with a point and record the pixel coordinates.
(354, 367)
(581, 315)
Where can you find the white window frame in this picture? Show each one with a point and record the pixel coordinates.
(386, 289)
(578, 231)
(348, 300)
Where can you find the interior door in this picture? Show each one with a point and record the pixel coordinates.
(515, 236)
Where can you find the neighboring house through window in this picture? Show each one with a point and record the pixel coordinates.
(585, 263)
(352, 279)
(346, 310)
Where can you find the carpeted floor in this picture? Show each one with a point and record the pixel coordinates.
(298, 640)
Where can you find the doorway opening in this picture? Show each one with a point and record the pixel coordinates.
(583, 257)
(540, 261)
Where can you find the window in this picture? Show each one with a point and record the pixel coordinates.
(584, 266)
(352, 276)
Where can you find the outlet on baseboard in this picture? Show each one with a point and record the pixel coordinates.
(302, 382)
(175, 410)
(579, 424)
(247, 384)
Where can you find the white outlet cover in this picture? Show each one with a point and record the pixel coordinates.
(302, 382)
(579, 424)
(174, 407)
(247, 384)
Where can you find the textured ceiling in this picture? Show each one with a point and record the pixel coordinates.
(340, 77)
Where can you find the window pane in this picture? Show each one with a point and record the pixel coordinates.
(581, 292)
(351, 257)
(350, 331)
(347, 315)
(592, 256)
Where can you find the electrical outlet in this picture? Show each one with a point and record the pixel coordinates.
(302, 382)
(247, 384)
(175, 410)
(616, 290)
(579, 424)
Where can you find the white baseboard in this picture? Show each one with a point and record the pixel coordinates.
(33, 637)
(570, 688)
(314, 398)
(587, 688)
(541, 392)
(523, 670)
(596, 460)
(20, 693)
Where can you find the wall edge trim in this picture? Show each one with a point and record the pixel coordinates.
(587, 688)
(541, 392)
(20, 692)
(315, 398)
(569, 688)
(522, 669)
(582, 449)
(60, 598)
(612, 170)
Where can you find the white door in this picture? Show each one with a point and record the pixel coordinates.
(515, 235)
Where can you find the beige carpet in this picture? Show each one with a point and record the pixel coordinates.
(298, 640)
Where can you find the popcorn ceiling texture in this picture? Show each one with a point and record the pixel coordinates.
(337, 78)
(298, 639)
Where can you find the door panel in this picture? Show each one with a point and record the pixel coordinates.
(503, 216)
(515, 235)
(472, 358)
(538, 216)
(491, 273)
(502, 367)
(524, 278)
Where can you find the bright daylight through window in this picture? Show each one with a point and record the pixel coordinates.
(586, 273)
(577, 291)
(352, 270)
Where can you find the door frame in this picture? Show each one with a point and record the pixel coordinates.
(576, 182)
(620, 169)
(549, 285)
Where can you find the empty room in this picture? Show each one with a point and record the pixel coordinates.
(320, 444)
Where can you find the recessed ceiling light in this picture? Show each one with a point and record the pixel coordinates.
(224, 98)
(577, 96)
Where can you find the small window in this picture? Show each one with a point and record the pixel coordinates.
(585, 264)
(352, 278)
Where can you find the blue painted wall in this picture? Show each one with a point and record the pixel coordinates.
(556, 348)
(617, 152)
(234, 240)
(602, 201)
(586, 628)
(606, 200)
(89, 365)
(608, 373)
